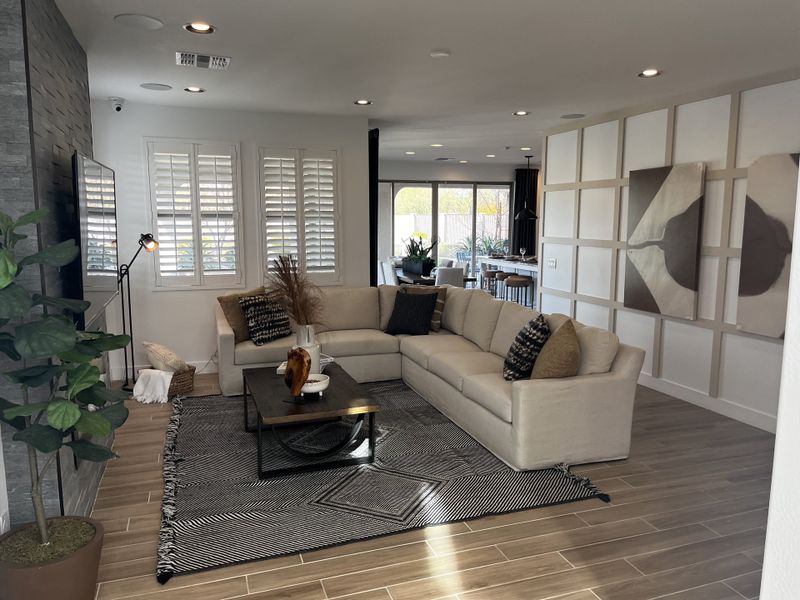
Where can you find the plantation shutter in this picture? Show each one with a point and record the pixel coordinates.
(196, 206)
(279, 188)
(319, 214)
(300, 203)
(101, 224)
(216, 180)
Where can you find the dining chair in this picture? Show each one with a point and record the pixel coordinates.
(450, 275)
(389, 273)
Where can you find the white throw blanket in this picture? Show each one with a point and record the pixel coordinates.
(152, 386)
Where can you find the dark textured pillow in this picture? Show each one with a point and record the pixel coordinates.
(561, 355)
(233, 312)
(412, 314)
(266, 319)
(441, 295)
(526, 347)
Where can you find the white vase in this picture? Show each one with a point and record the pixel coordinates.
(307, 340)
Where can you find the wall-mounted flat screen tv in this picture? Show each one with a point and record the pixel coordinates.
(97, 217)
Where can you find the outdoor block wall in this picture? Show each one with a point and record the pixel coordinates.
(586, 168)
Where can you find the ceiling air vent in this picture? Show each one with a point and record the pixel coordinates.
(202, 61)
(443, 158)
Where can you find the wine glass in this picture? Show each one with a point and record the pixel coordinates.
(522, 252)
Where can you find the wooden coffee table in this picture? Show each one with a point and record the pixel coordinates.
(275, 408)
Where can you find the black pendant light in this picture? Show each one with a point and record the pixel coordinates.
(527, 213)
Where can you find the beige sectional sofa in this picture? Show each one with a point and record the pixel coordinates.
(529, 424)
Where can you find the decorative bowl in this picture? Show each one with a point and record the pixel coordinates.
(316, 384)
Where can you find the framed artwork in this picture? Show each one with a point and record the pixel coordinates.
(665, 209)
(767, 245)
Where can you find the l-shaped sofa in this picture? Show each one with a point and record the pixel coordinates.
(529, 424)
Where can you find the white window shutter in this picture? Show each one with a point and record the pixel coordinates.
(216, 190)
(319, 214)
(279, 188)
(101, 243)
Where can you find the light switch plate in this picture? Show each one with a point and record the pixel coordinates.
(552, 263)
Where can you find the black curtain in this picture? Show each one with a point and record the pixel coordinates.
(523, 233)
(374, 136)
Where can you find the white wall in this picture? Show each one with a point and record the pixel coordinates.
(183, 319)
(781, 579)
(708, 361)
(419, 170)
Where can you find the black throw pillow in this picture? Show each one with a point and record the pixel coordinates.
(266, 319)
(526, 347)
(412, 314)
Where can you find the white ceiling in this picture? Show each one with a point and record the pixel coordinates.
(548, 56)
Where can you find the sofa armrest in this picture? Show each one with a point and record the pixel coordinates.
(577, 418)
(225, 338)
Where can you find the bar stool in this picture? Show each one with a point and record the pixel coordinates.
(488, 281)
(500, 278)
(515, 285)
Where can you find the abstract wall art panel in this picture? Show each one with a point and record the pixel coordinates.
(767, 244)
(665, 208)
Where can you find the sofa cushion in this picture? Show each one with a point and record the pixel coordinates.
(561, 355)
(412, 314)
(348, 308)
(598, 349)
(492, 392)
(233, 312)
(441, 295)
(513, 317)
(386, 294)
(357, 342)
(455, 309)
(420, 348)
(481, 318)
(522, 355)
(453, 367)
(247, 353)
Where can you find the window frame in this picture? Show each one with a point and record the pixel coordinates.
(199, 280)
(298, 154)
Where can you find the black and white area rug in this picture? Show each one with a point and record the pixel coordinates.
(216, 511)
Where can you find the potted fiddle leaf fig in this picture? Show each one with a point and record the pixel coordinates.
(62, 403)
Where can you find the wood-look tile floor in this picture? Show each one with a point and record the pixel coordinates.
(686, 522)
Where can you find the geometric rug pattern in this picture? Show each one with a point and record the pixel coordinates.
(217, 512)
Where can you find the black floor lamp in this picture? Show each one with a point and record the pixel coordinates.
(149, 243)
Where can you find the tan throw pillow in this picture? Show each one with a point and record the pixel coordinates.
(561, 355)
(162, 358)
(233, 312)
(441, 294)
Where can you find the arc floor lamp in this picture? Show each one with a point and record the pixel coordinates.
(149, 244)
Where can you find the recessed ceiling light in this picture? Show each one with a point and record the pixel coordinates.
(193, 89)
(362, 102)
(135, 21)
(410, 152)
(525, 148)
(463, 162)
(573, 116)
(490, 156)
(156, 87)
(200, 27)
(441, 53)
(521, 113)
(650, 72)
(437, 145)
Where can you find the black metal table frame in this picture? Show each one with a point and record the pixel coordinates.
(319, 466)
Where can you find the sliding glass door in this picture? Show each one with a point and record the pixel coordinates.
(413, 214)
(454, 219)
(493, 218)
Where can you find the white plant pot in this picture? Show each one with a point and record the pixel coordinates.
(307, 340)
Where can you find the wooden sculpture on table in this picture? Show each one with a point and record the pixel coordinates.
(298, 366)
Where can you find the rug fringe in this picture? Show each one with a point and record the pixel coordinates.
(166, 535)
(584, 482)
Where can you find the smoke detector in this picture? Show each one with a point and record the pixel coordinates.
(202, 61)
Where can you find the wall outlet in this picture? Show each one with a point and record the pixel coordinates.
(552, 263)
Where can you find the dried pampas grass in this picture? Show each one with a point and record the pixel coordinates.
(290, 286)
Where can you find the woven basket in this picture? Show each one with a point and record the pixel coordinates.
(182, 382)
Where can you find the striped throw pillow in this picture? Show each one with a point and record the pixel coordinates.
(526, 347)
(266, 319)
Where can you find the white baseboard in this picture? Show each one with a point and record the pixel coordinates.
(734, 410)
(118, 372)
